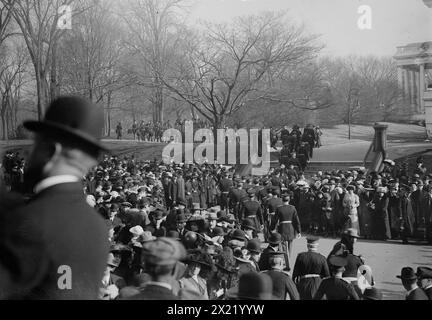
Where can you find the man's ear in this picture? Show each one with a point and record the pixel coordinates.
(55, 150)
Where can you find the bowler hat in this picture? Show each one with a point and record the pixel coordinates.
(254, 246)
(248, 224)
(253, 286)
(407, 273)
(238, 235)
(72, 119)
(275, 238)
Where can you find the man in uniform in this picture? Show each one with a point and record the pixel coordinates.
(160, 259)
(424, 276)
(251, 209)
(288, 223)
(236, 197)
(309, 269)
(335, 288)
(225, 186)
(57, 231)
(283, 286)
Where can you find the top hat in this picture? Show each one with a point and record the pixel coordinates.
(407, 273)
(72, 119)
(180, 218)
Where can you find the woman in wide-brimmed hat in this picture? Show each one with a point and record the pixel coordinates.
(194, 283)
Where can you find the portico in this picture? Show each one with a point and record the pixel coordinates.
(413, 61)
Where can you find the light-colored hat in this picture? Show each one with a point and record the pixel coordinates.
(137, 231)
(163, 251)
(147, 237)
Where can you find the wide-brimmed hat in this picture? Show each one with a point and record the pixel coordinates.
(252, 286)
(147, 236)
(74, 120)
(137, 231)
(200, 258)
(407, 273)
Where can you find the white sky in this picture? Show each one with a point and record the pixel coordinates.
(394, 22)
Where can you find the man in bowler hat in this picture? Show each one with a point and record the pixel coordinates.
(56, 247)
(409, 281)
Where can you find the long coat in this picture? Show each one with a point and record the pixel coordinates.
(291, 227)
(55, 238)
(380, 219)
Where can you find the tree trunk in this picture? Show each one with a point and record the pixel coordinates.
(42, 92)
(4, 127)
(109, 114)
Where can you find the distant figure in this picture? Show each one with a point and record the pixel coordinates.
(119, 130)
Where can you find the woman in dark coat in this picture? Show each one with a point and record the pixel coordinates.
(380, 218)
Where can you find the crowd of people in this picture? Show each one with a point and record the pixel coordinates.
(193, 232)
(153, 131)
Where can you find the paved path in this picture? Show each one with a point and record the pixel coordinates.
(385, 258)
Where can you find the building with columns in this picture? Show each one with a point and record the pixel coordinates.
(413, 60)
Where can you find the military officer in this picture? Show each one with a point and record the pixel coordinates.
(335, 288)
(309, 270)
(284, 287)
(251, 209)
(288, 223)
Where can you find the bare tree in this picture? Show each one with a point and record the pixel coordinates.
(234, 62)
(12, 69)
(38, 22)
(155, 31)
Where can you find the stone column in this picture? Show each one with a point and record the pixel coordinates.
(413, 90)
(421, 87)
(400, 78)
(406, 90)
(427, 100)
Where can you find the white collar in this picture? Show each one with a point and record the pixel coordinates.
(428, 287)
(52, 181)
(409, 292)
(160, 284)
